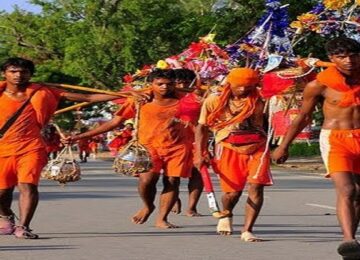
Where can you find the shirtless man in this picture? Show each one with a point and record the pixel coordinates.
(339, 89)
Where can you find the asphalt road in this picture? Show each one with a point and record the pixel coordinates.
(90, 219)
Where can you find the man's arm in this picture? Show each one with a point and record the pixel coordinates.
(311, 95)
(107, 126)
(258, 117)
(201, 145)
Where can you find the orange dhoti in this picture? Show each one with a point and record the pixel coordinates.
(236, 169)
(24, 168)
(340, 150)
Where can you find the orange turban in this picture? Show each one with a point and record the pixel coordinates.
(243, 76)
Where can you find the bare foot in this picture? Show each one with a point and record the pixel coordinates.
(164, 224)
(177, 207)
(142, 215)
(193, 213)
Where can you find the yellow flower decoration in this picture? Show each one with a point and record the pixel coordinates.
(357, 2)
(307, 17)
(336, 4)
(249, 48)
(161, 64)
(296, 25)
(209, 38)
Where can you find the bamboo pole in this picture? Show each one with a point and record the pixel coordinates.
(93, 90)
(66, 109)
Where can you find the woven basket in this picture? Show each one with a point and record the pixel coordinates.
(133, 160)
(63, 169)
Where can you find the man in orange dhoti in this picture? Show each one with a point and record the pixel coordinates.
(22, 148)
(236, 118)
(338, 88)
(167, 140)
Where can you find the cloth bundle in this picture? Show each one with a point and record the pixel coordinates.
(63, 168)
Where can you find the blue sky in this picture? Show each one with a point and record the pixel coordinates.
(7, 5)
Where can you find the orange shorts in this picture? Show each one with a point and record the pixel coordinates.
(340, 150)
(236, 169)
(176, 161)
(24, 168)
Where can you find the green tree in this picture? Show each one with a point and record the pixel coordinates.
(96, 42)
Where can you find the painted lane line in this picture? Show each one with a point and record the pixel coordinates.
(320, 206)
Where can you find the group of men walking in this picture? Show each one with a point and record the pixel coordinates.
(174, 124)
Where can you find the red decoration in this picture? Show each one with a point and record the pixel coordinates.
(282, 120)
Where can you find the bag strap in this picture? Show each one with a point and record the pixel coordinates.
(15, 116)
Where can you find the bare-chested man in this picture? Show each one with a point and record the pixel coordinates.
(339, 88)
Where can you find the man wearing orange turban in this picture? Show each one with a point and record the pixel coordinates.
(236, 118)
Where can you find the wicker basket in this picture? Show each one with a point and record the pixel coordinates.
(133, 160)
(63, 169)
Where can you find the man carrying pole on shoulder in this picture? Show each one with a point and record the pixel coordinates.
(25, 109)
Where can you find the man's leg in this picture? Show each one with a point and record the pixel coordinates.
(177, 206)
(347, 212)
(6, 197)
(28, 201)
(147, 192)
(229, 201)
(345, 195)
(357, 203)
(252, 209)
(7, 220)
(81, 156)
(168, 198)
(195, 187)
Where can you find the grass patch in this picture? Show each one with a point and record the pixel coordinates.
(304, 149)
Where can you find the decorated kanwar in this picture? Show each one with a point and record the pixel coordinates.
(198, 114)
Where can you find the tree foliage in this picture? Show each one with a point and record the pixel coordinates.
(95, 42)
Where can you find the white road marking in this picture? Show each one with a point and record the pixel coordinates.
(320, 206)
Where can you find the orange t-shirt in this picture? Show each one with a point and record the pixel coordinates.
(157, 127)
(24, 134)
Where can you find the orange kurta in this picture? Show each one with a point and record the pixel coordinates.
(166, 138)
(22, 149)
(24, 135)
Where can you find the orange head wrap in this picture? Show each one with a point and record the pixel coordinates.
(240, 76)
(243, 76)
